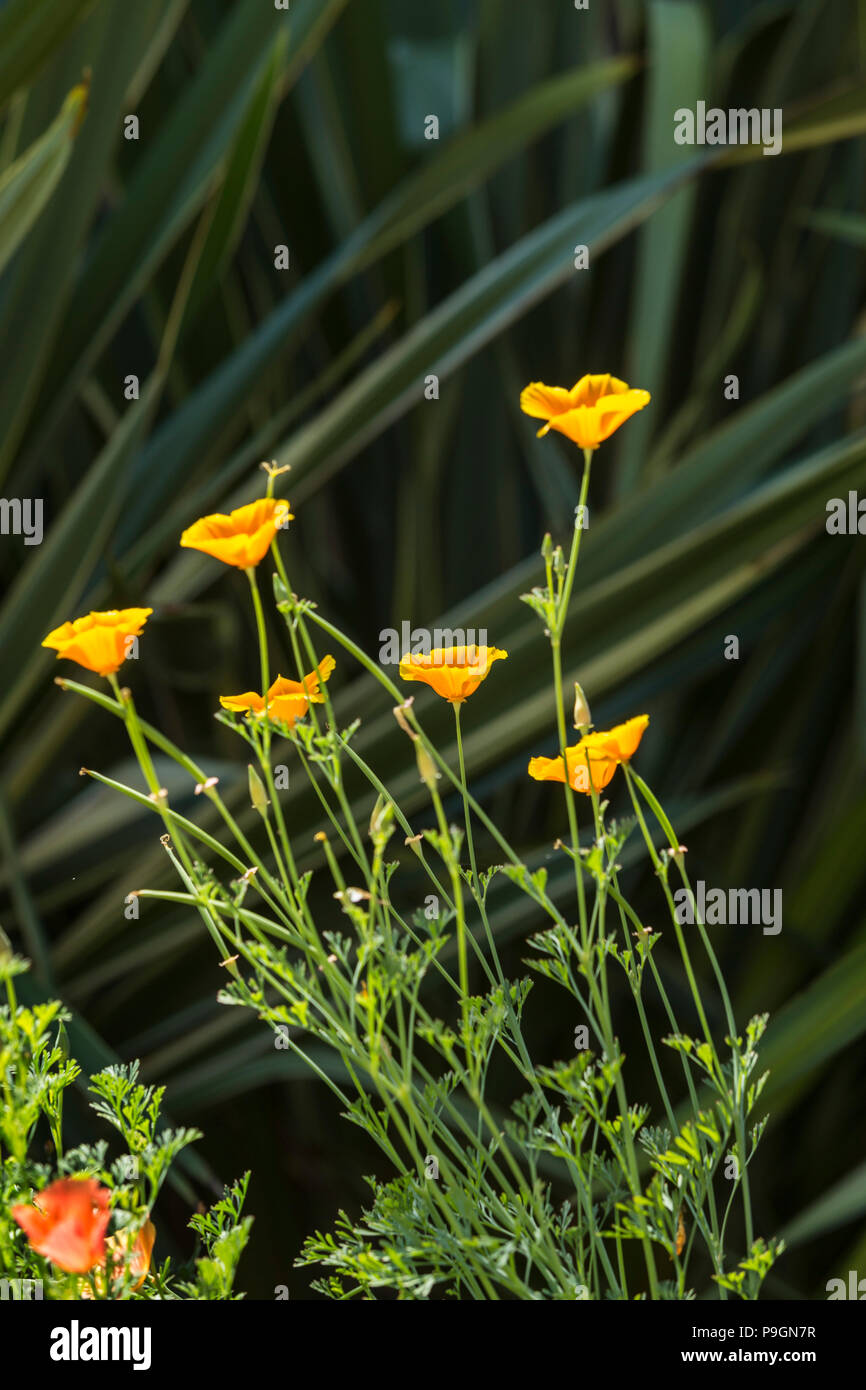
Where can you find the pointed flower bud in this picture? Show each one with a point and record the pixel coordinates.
(582, 716)
(258, 795)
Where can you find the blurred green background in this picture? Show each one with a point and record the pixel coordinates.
(411, 257)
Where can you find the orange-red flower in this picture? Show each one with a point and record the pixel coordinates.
(595, 757)
(588, 413)
(100, 642)
(287, 700)
(67, 1223)
(137, 1264)
(244, 536)
(455, 673)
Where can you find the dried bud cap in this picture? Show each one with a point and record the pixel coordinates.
(582, 716)
(6, 951)
(273, 469)
(258, 796)
(547, 548)
(400, 716)
(352, 895)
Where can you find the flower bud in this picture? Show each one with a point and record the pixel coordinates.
(426, 765)
(380, 820)
(257, 793)
(582, 716)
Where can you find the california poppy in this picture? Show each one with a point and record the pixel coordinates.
(287, 700)
(138, 1261)
(598, 761)
(67, 1223)
(588, 413)
(455, 673)
(100, 642)
(243, 537)
(137, 1264)
(596, 756)
(627, 736)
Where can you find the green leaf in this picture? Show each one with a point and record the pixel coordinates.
(27, 185)
(111, 43)
(847, 226)
(813, 1027)
(30, 32)
(845, 1201)
(75, 541)
(679, 51)
(241, 176)
(826, 120)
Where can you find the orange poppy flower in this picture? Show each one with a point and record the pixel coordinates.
(67, 1223)
(138, 1264)
(101, 641)
(598, 761)
(627, 736)
(588, 413)
(139, 1258)
(596, 756)
(455, 673)
(287, 700)
(243, 537)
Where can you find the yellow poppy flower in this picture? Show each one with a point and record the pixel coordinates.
(287, 700)
(142, 1250)
(243, 537)
(455, 673)
(598, 761)
(588, 413)
(627, 736)
(100, 642)
(596, 756)
(138, 1263)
